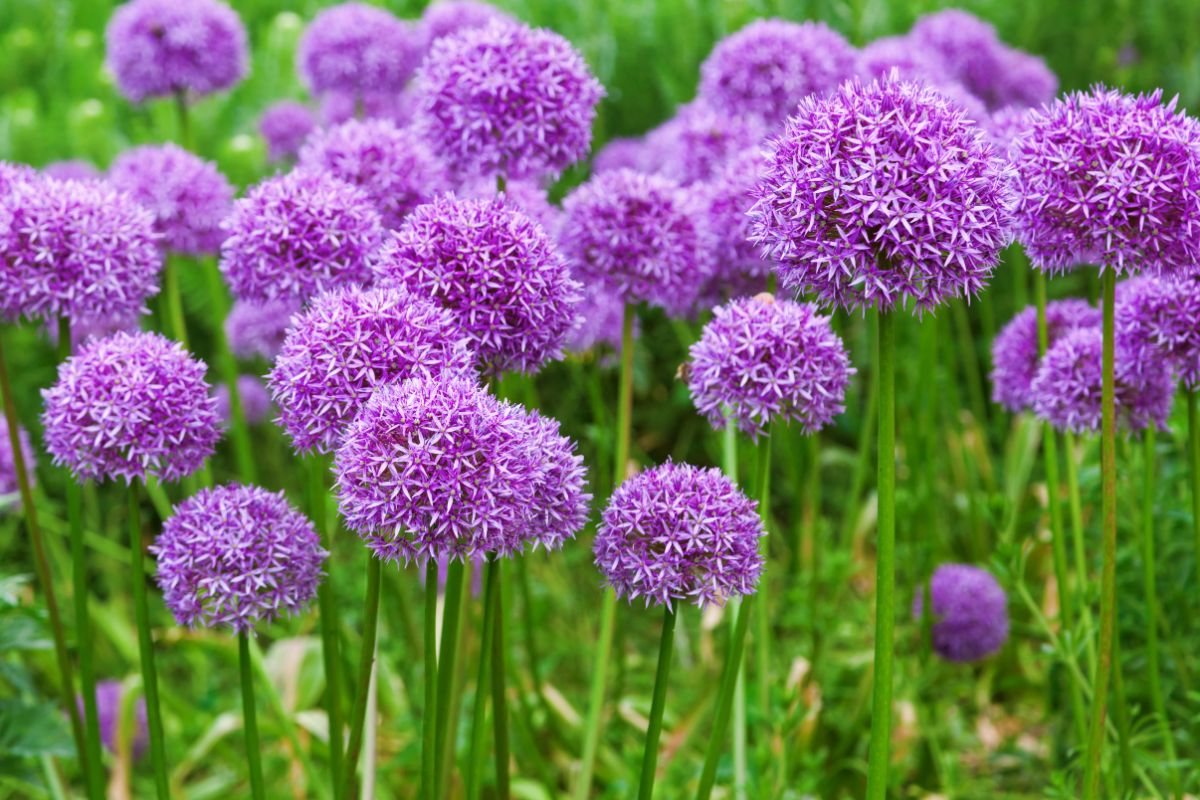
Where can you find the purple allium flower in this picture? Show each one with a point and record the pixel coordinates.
(1158, 320)
(560, 505)
(83, 331)
(698, 140)
(882, 194)
(527, 196)
(770, 65)
(349, 342)
(8, 463)
(1109, 179)
(236, 556)
(129, 406)
(900, 53)
(507, 100)
(641, 236)
(969, 609)
(1005, 124)
(258, 329)
(109, 697)
(72, 170)
(394, 166)
(1066, 389)
(396, 107)
(357, 48)
(496, 269)
(188, 196)
(159, 47)
(298, 235)
(624, 153)
(1026, 81)
(678, 532)
(1015, 355)
(74, 249)
(965, 47)
(285, 125)
(601, 317)
(760, 359)
(739, 267)
(12, 174)
(256, 402)
(449, 17)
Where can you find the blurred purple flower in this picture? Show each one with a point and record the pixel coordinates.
(1015, 356)
(357, 48)
(970, 612)
(285, 125)
(526, 195)
(9, 486)
(72, 170)
(450, 17)
(395, 107)
(698, 140)
(623, 153)
(601, 315)
(1157, 321)
(256, 402)
(109, 696)
(739, 267)
(258, 329)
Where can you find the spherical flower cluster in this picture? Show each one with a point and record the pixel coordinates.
(298, 235)
(880, 195)
(73, 169)
(357, 48)
(450, 17)
(507, 100)
(235, 556)
(561, 501)
(1157, 321)
(12, 174)
(345, 345)
(1027, 82)
(130, 406)
(1109, 179)
(969, 610)
(759, 360)
(495, 269)
(640, 236)
(739, 268)
(1005, 124)
(680, 533)
(1015, 352)
(8, 463)
(109, 699)
(624, 153)
(74, 249)
(698, 140)
(285, 125)
(258, 329)
(256, 402)
(770, 65)
(899, 53)
(393, 166)
(188, 196)
(161, 47)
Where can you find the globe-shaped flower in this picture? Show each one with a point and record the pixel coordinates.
(236, 556)
(680, 533)
(1158, 320)
(1015, 356)
(1005, 124)
(188, 196)
(357, 48)
(970, 612)
(1109, 179)
(760, 359)
(393, 166)
(449, 17)
(161, 47)
(345, 345)
(1027, 82)
(285, 125)
(80, 250)
(256, 402)
(397, 108)
(698, 140)
(623, 153)
(72, 169)
(900, 53)
(109, 699)
(560, 498)
(495, 269)
(298, 235)
(9, 486)
(739, 268)
(881, 195)
(507, 100)
(257, 330)
(130, 406)
(770, 65)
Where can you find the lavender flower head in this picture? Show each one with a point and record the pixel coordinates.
(739, 268)
(1158, 320)
(698, 140)
(561, 502)
(770, 65)
(449, 17)
(1027, 81)
(679, 533)
(496, 269)
(72, 169)
(130, 406)
(397, 108)
(349, 342)
(109, 698)
(507, 100)
(627, 152)
(601, 319)
(285, 125)
(12, 174)
(970, 612)
(1109, 179)
(357, 48)
(527, 196)
(157, 48)
(900, 53)
(256, 402)
(881, 195)
(9, 486)
(298, 235)
(257, 330)
(1005, 124)
(1015, 356)
(236, 556)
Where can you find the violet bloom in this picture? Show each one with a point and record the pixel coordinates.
(256, 402)
(109, 698)
(130, 406)
(739, 268)
(188, 196)
(698, 140)
(257, 330)
(285, 125)
(601, 318)
(156, 48)
(560, 505)
(899, 53)
(9, 487)
(1015, 355)
(624, 153)
(1027, 81)
(527, 196)
(1005, 124)
(73, 169)
(345, 345)
(507, 100)
(970, 612)
(12, 174)
(357, 48)
(1157, 321)
(449, 17)
(298, 235)
(770, 65)
(496, 269)
(397, 108)
(862, 212)
(680, 533)
(235, 556)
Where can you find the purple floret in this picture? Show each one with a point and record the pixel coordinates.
(9, 487)
(285, 125)
(900, 53)
(1157, 321)
(357, 48)
(256, 402)
(258, 329)
(739, 267)
(623, 153)
(109, 697)
(526, 195)
(697, 142)
(450, 17)
(397, 108)
(13, 174)
(970, 612)
(1015, 355)
(73, 169)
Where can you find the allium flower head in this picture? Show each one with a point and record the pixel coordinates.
(109, 698)
(970, 612)
(880, 195)
(879, 58)
(188, 196)
(235, 556)
(527, 196)
(761, 359)
(496, 269)
(8, 464)
(770, 65)
(1015, 356)
(698, 140)
(73, 169)
(258, 329)
(1158, 320)
(285, 125)
(678, 532)
(12, 174)
(397, 108)
(1005, 124)
(448, 17)
(560, 498)
(964, 47)
(507, 100)
(357, 48)
(349, 342)
(256, 402)
(739, 268)
(1026, 82)
(160, 47)
(624, 153)
(601, 318)
(1109, 179)
(392, 165)
(298, 235)
(130, 406)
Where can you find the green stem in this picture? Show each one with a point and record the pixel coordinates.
(1193, 409)
(658, 705)
(141, 611)
(428, 720)
(327, 619)
(479, 713)
(181, 113)
(172, 301)
(1078, 545)
(1124, 724)
(499, 687)
(729, 677)
(243, 448)
(250, 718)
(730, 464)
(762, 630)
(862, 462)
(452, 620)
(366, 664)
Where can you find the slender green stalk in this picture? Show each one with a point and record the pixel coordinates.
(499, 684)
(763, 624)
(1078, 545)
(863, 460)
(327, 619)
(366, 664)
(243, 448)
(452, 620)
(1193, 409)
(428, 720)
(250, 719)
(141, 612)
(729, 677)
(172, 301)
(730, 463)
(1123, 722)
(658, 704)
(479, 713)
(184, 122)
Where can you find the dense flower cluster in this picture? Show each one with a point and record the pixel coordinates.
(12, 174)
(623, 153)
(1157, 321)
(698, 140)
(396, 107)
(560, 503)
(880, 58)
(526, 195)
(357, 48)
(109, 699)
(739, 268)
(601, 318)
(1006, 124)
(8, 464)
(284, 126)
(258, 329)
(970, 612)
(256, 402)
(449, 17)
(1015, 352)
(73, 169)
